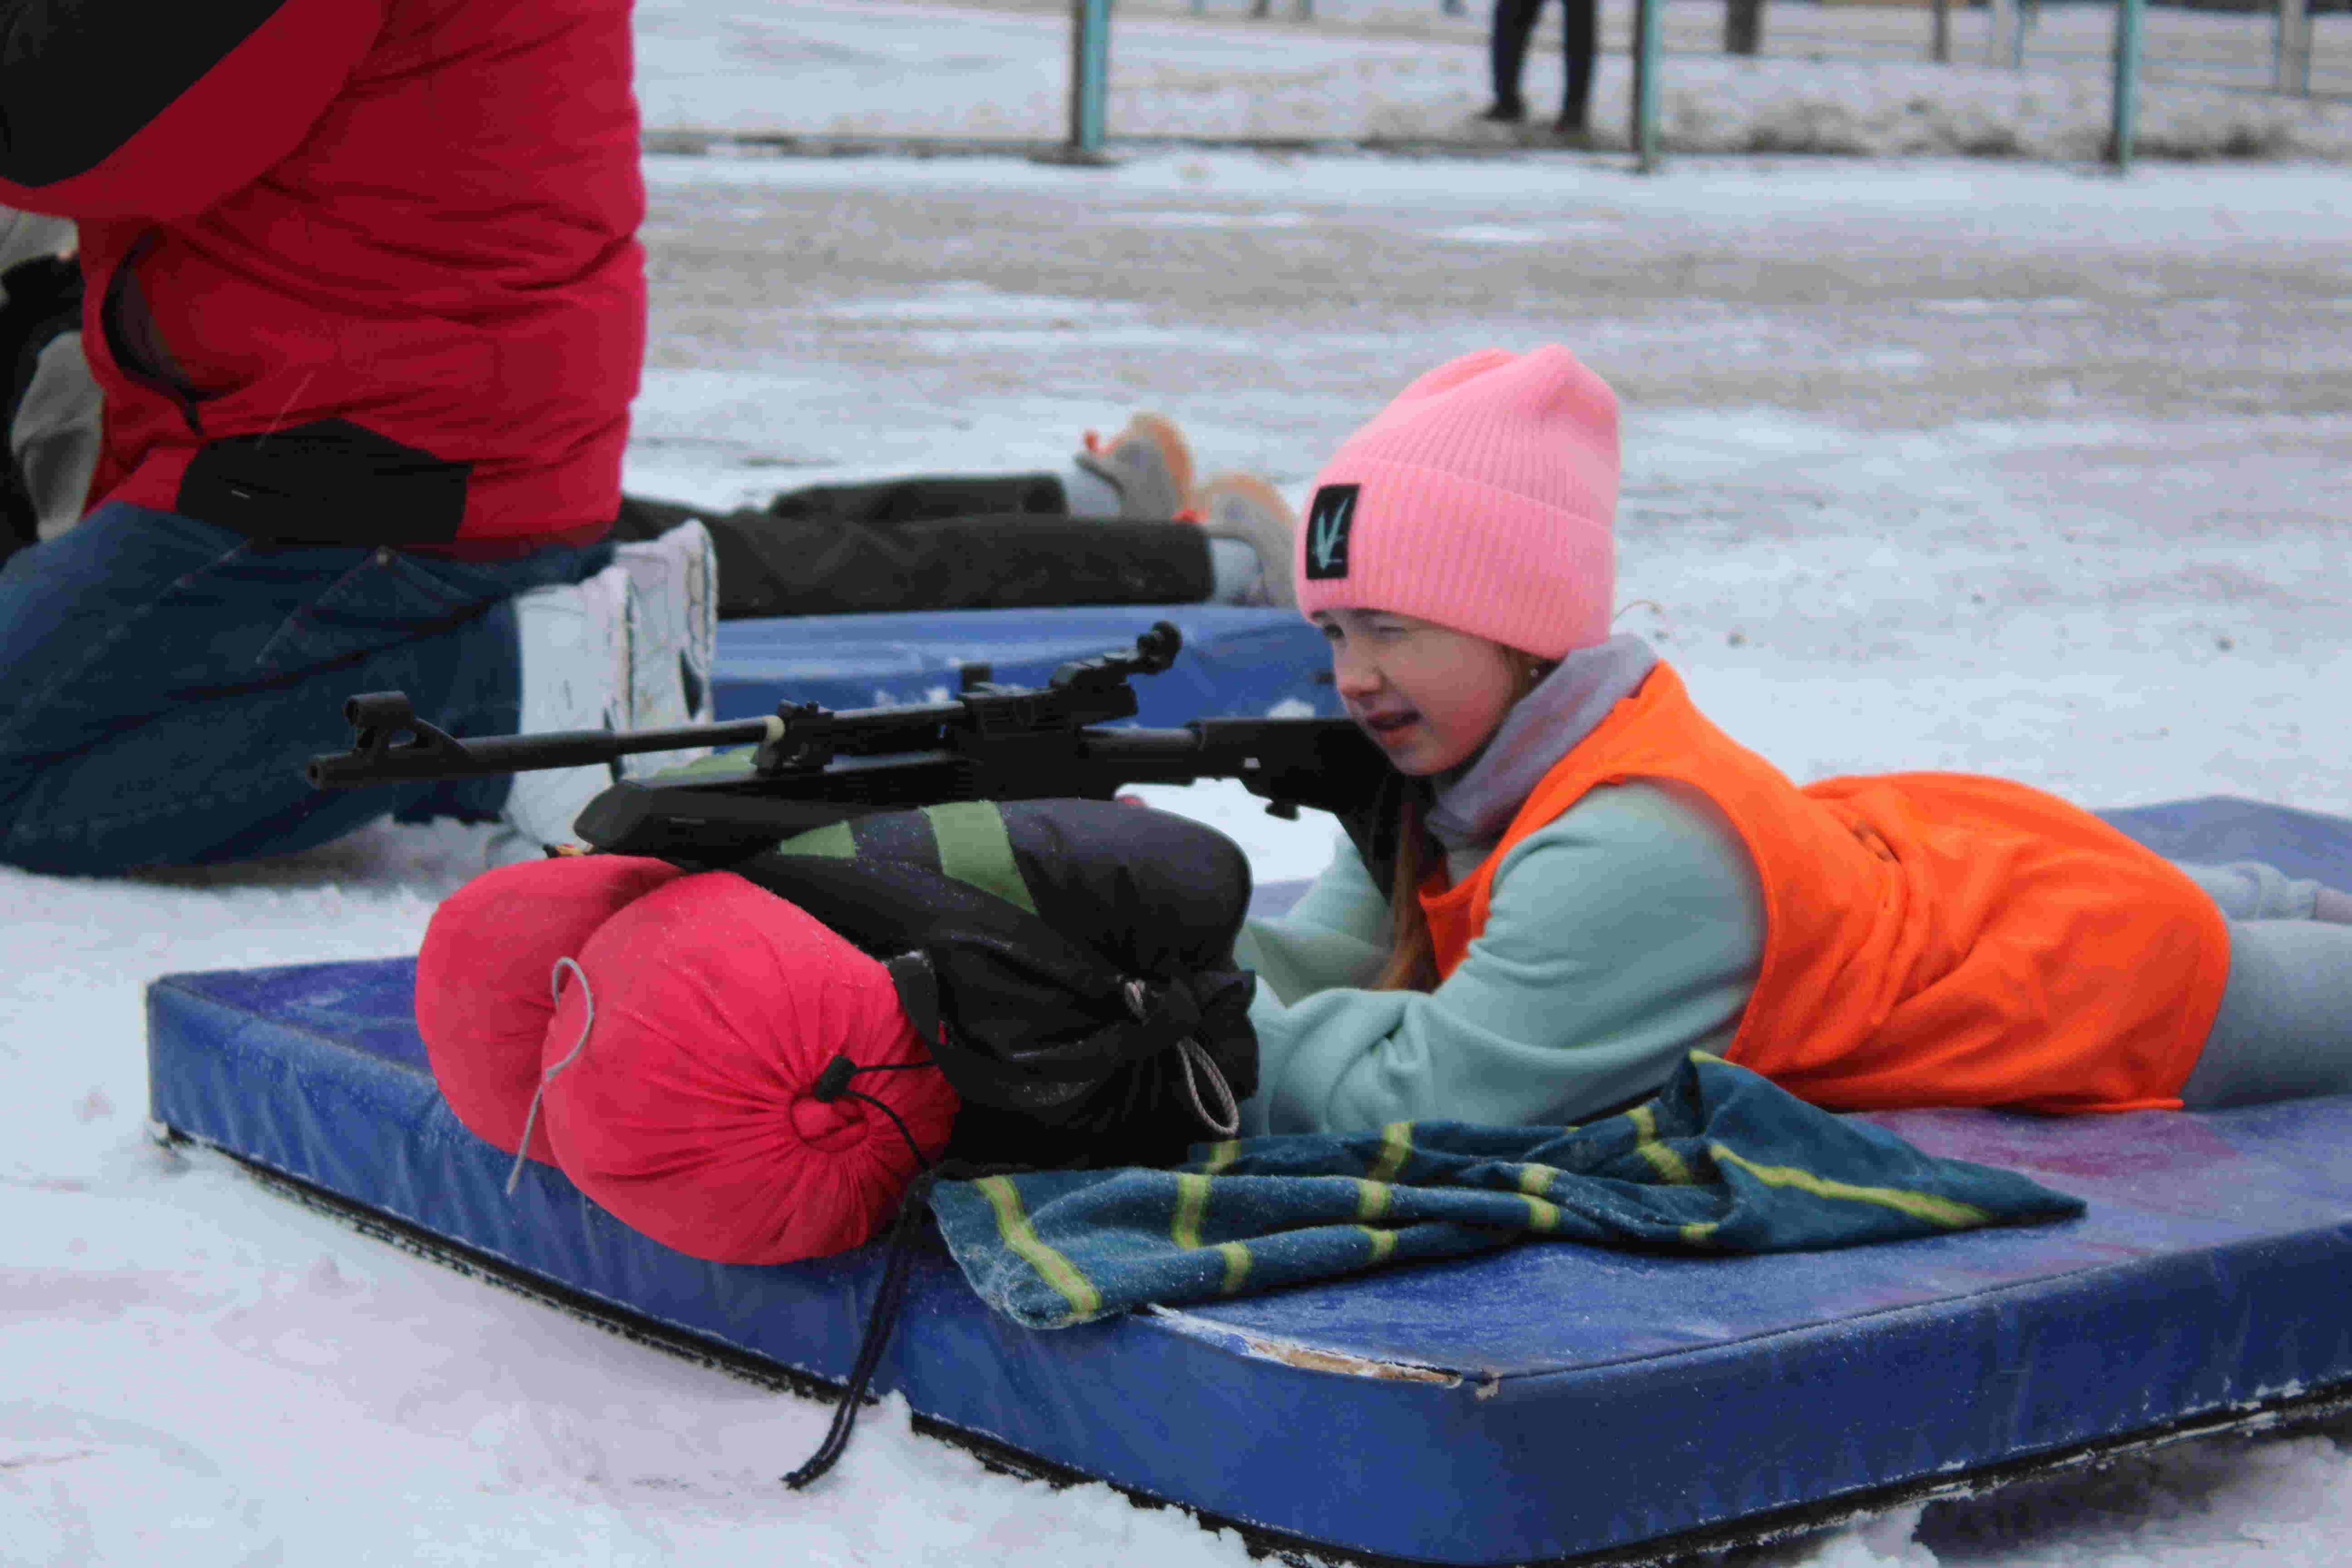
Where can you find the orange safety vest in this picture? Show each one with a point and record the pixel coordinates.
(1930, 938)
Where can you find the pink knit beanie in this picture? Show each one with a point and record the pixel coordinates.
(1483, 498)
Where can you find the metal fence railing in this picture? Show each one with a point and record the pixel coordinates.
(2064, 81)
(2261, 45)
(2135, 46)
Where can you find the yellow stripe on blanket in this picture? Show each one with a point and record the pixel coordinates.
(1535, 1181)
(1396, 1148)
(1662, 1160)
(1237, 1265)
(1012, 1227)
(1192, 1213)
(1946, 1211)
(1191, 1208)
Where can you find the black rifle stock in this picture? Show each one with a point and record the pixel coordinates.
(811, 767)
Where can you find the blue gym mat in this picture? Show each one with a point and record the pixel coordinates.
(1236, 663)
(1544, 1402)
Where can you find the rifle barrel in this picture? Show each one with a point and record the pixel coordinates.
(456, 759)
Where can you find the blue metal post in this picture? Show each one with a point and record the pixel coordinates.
(1648, 30)
(1089, 75)
(2129, 14)
(2291, 69)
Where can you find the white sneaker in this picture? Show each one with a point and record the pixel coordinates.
(673, 620)
(1149, 464)
(575, 642)
(1246, 507)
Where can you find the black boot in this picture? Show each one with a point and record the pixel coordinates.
(48, 408)
(1507, 57)
(1579, 33)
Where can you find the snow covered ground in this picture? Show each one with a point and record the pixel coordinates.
(1840, 78)
(1965, 465)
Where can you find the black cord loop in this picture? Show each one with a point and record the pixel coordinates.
(833, 1084)
(879, 1321)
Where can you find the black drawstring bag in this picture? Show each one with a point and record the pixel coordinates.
(1070, 961)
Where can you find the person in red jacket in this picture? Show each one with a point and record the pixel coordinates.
(376, 257)
(366, 307)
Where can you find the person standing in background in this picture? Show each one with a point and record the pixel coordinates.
(1514, 27)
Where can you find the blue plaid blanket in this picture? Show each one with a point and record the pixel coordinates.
(1721, 1160)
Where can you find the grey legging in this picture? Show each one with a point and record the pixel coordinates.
(2284, 1030)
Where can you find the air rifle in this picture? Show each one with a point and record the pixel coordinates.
(808, 765)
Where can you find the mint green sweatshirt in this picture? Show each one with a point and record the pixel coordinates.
(1620, 936)
(1623, 935)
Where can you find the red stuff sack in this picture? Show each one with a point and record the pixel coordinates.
(680, 1069)
(483, 978)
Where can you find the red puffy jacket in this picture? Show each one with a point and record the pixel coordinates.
(359, 271)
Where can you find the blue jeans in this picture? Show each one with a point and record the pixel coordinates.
(162, 682)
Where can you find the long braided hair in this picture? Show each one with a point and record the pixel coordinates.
(1411, 963)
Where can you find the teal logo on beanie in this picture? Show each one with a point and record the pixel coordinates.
(1328, 522)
